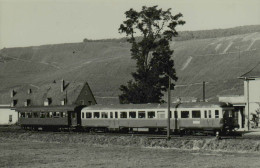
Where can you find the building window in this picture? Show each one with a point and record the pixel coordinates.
(216, 114)
(82, 102)
(10, 118)
(196, 114)
(14, 102)
(89, 102)
(185, 114)
(47, 102)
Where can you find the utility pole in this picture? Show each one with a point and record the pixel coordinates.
(169, 109)
(204, 97)
(247, 83)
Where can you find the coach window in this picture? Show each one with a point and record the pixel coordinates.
(42, 115)
(185, 114)
(35, 115)
(47, 114)
(88, 115)
(50, 114)
(96, 115)
(141, 114)
(123, 114)
(62, 114)
(209, 113)
(82, 114)
(23, 115)
(216, 114)
(151, 114)
(104, 115)
(160, 114)
(132, 114)
(111, 114)
(196, 114)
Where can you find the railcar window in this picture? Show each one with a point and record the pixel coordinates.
(35, 115)
(56, 114)
(216, 114)
(50, 114)
(132, 114)
(111, 114)
(185, 114)
(196, 114)
(209, 113)
(62, 114)
(88, 115)
(175, 114)
(116, 114)
(82, 114)
(47, 114)
(123, 115)
(96, 115)
(160, 114)
(205, 114)
(141, 114)
(104, 115)
(151, 114)
(22, 115)
(29, 115)
(42, 115)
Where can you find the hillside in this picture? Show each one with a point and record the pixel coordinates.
(107, 64)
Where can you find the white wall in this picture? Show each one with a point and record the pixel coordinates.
(254, 96)
(5, 113)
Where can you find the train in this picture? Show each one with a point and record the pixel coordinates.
(185, 118)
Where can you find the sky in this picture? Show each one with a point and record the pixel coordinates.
(38, 22)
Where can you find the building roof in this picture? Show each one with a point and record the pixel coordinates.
(253, 73)
(157, 106)
(51, 92)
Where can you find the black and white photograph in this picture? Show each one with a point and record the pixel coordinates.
(129, 83)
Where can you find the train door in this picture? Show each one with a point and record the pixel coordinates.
(72, 118)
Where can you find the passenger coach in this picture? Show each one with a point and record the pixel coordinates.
(185, 117)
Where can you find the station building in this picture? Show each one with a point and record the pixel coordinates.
(247, 105)
(8, 116)
(52, 100)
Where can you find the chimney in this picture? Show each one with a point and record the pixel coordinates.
(29, 91)
(62, 85)
(204, 97)
(12, 93)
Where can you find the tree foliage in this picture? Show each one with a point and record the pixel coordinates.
(155, 28)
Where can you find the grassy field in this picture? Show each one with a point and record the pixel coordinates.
(46, 154)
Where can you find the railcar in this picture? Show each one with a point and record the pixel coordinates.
(49, 117)
(184, 118)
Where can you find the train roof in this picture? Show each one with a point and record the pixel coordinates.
(158, 106)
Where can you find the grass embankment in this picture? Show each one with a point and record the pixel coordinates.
(240, 145)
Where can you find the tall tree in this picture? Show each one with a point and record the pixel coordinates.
(149, 31)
